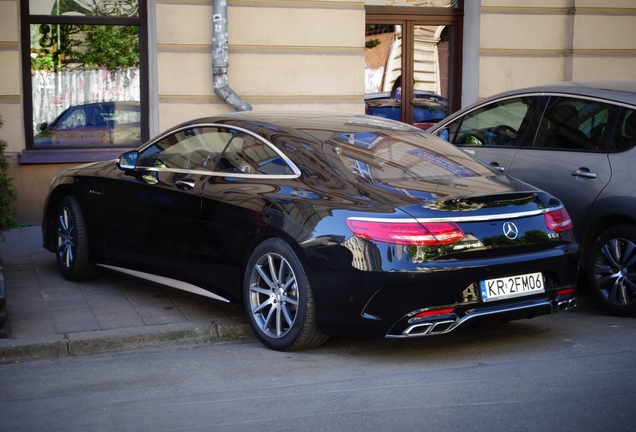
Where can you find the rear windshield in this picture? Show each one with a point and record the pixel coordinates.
(400, 156)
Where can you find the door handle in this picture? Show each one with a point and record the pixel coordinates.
(583, 172)
(185, 184)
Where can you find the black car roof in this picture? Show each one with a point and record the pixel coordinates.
(306, 121)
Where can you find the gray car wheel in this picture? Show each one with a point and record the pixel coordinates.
(612, 270)
(72, 242)
(278, 299)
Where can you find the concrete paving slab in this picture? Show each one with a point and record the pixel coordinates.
(49, 316)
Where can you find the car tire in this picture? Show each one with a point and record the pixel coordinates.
(72, 242)
(278, 299)
(611, 270)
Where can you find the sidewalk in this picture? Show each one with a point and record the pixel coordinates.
(49, 316)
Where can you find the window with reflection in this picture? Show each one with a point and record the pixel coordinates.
(412, 53)
(624, 137)
(573, 124)
(85, 61)
(495, 124)
(400, 157)
(214, 149)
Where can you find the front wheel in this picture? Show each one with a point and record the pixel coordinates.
(72, 242)
(611, 270)
(278, 299)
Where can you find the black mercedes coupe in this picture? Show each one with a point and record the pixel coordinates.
(318, 224)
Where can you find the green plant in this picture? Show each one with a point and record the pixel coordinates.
(7, 191)
(42, 61)
(371, 43)
(69, 45)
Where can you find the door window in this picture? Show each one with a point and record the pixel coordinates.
(496, 124)
(573, 124)
(625, 133)
(191, 149)
(214, 149)
(246, 154)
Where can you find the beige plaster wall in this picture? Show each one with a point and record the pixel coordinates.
(531, 42)
(10, 84)
(32, 185)
(10, 96)
(283, 55)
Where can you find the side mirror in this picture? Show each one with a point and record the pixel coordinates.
(42, 126)
(444, 134)
(127, 160)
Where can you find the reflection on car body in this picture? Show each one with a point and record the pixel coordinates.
(105, 123)
(428, 108)
(318, 224)
(575, 140)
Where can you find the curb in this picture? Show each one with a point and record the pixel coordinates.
(95, 342)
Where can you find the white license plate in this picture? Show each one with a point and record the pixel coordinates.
(512, 286)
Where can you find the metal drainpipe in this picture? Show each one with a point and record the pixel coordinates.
(220, 58)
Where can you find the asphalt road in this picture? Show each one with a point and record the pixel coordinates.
(571, 371)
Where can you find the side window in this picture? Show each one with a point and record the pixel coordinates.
(624, 136)
(74, 118)
(191, 149)
(573, 124)
(496, 124)
(246, 154)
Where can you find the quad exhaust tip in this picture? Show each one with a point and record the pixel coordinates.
(506, 313)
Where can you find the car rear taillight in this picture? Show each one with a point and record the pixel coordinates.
(407, 233)
(558, 220)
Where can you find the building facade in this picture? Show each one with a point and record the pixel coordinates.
(282, 54)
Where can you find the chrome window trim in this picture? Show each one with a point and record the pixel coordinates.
(462, 218)
(207, 173)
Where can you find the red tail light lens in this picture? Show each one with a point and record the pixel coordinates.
(558, 220)
(430, 313)
(407, 233)
(566, 291)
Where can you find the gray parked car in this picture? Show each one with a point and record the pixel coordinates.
(575, 140)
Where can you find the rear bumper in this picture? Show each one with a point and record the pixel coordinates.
(409, 327)
(383, 303)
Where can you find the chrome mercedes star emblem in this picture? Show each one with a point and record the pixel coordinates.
(510, 230)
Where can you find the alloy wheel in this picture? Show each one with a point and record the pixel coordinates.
(65, 238)
(273, 295)
(615, 271)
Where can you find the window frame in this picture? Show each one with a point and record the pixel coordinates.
(60, 154)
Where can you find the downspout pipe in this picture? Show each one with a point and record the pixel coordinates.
(220, 57)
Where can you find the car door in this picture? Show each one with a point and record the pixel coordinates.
(569, 156)
(237, 203)
(493, 132)
(153, 211)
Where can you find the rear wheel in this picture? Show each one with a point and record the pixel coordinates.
(278, 299)
(611, 270)
(72, 242)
